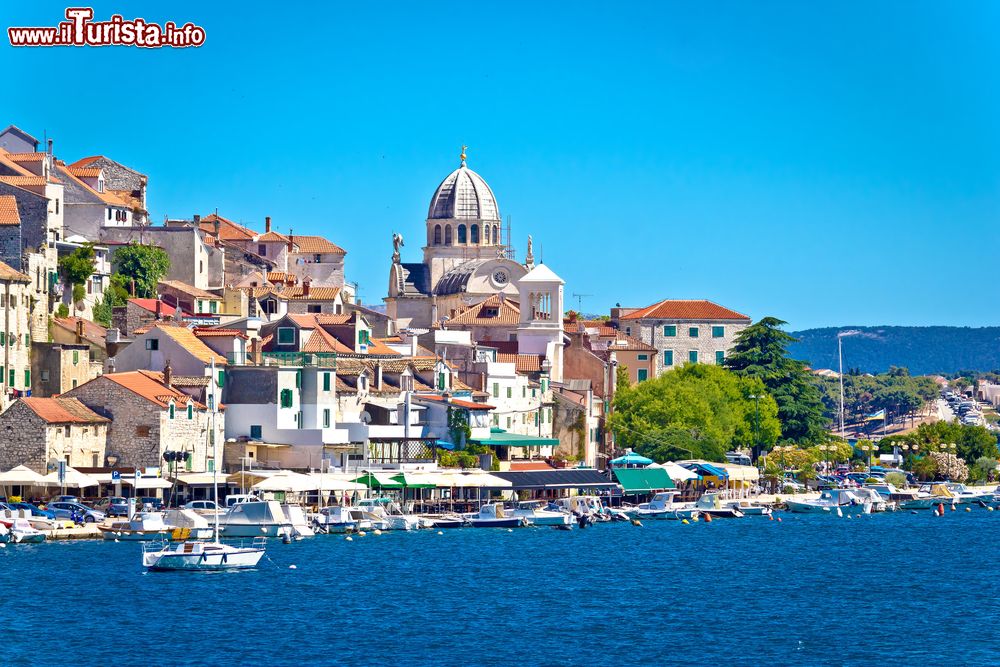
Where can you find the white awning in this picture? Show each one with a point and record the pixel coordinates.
(148, 482)
(22, 476)
(73, 479)
(675, 472)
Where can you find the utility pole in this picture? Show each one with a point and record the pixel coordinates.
(579, 300)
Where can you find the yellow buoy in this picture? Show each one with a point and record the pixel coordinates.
(684, 521)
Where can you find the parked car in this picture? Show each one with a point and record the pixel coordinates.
(67, 510)
(64, 499)
(202, 506)
(150, 501)
(113, 506)
(35, 511)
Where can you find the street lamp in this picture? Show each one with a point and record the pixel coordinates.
(756, 424)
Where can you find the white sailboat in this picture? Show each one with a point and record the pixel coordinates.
(205, 556)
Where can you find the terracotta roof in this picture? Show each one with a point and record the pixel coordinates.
(26, 157)
(84, 172)
(22, 181)
(83, 162)
(8, 273)
(272, 237)
(8, 210)
(190, 290)
(189, 341)
(279, 276)
(14, 166)
(376, 346)
(91, 330)
(629, 344)
(321, 340)
(149, 385)
(316, 244)
(228, 230)
(203, 332)
(681, 309)
(150, 305)
(108, 196)
(456, 402)
(315, 293)
(523, 363)
(494, 311)
(63, 411)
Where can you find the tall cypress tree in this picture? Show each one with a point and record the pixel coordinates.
(761, 351)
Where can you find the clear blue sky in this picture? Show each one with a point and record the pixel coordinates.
(829, 164)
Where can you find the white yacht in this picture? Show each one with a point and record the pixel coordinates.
(388, 510)
(590, 506)
(494, 515)
(297, 517)
(750, 508)
(189, 524)
(20, 531)
(710, 504)
(345, 519)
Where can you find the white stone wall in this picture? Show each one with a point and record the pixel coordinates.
(15, 355)
(683, 344)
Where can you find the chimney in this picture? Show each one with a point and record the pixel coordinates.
(267, 224)
(215, 225)
(255, 350)
(197, 220)
(159, 310)
(291, 241)
(79, 330)
(305, 287)
(50, 147)
(168, 374)
(413, 345)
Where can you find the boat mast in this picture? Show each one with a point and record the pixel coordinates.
(215, 460)
(840, 355)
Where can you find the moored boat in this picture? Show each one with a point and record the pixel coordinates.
(20, 531)
(830, 501)
(493, 515)
(144, 526)
(711, 505)
(662, 506)
(537, 514)
(202, 556)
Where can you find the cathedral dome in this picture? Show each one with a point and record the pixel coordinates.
(463, 195)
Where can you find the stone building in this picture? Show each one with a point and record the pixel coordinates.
(128, 184)
(35, 431)
(15, 334)
(683, 331)
(58, 367)
(189, 298)
(150, 416)
(80, 331)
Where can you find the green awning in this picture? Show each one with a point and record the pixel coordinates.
(378, 481)
(500, 438)
(643, 480)
(411, 482)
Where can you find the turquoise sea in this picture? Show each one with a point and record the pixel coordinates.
(887, 589)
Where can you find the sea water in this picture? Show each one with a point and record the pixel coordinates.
(887, 589)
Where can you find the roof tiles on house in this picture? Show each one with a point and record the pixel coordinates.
(63, 411)
(92, 331)
(468, 405)
(190, 290)
(316, 245)
(7, 273)
(187, 339)
(150, 305)
(494, 311)
(84, 172)
(23, 181)
(8, 210)
(272, 237)
(228, 230)
(149, 385)
(523, 363)
(683, 309)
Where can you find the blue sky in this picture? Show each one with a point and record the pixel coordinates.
(831, 164)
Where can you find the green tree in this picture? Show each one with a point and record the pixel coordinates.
(761, 352)
(76, 268)
(115, 295)
(697, 411)
(145, 265)
(621, 378)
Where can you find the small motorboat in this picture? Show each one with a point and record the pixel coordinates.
(537, 514)
(662, 506)
(493, 515)
(389, 511)
(711, 505)
(750, 508)
(347, 519)
(20, 531)
(143, 527)
(445, 520)
(830, 501)
(202, 556)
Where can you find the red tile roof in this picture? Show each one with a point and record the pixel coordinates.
(108, 197)
(8, 210)
(295, 293)
(84, 172)
(8, 273)
(22, 181)
(228, 230)
(186, 338)
(150, 305)
(316, 245)
(202, 332)
(494, 311)
(529, 465)
(26, 157)
(149, 385)
(91, 330)
(523, 363)
(628, 343)
(680, 309)
(190, 290)
(63, 411)
(272, 237)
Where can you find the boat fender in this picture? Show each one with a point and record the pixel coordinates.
(941, 508)
(779, 519)
(953, 508)
(708, 518)
(204, 557)
(770, 517)
(377, 531)
(968, 509)
(348, 539)
(840, 512)
(636, 522)
(286, 539)
(989, 509)
(440, 532)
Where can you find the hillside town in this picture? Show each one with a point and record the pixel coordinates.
(251, 341)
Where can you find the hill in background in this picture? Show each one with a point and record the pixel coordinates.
(921, 349)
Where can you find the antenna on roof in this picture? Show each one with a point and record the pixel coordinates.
(579, 301)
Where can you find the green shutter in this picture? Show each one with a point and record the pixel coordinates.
(718, 331)
(670, 331)
(213, 306)
(693, 332)
(326, 418)
(693, 356)
(326, 382)
(170, 411)
(668, 357)
(222, 378)
(76, 357)
(720, 357)
(642, 374)
(298, 379)
(11, 377)
(211, 465)
(3, 338)
(27, 379)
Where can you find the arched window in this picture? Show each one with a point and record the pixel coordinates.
(486, 234)
(447, 235)
(474, 231)
(437, 234)
(461, 234)
(496, 234)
